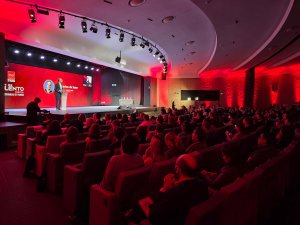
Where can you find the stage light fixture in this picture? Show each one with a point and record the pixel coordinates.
(150, 50)
(55, 60)
(118, 59)
(84, 26)
(61, 21)
(16, 51)
(78, 65)
(147, 43)
(29, 54)
(31, 14)
(133, 41)
(156, 53)
(161, 56)
(94, 28)
(42, 11)
(68, 63)
(42, 57)
(121, 38)
(107, 32)
(142, 44)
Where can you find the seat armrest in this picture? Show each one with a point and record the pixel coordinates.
(30, 146)
(39, 159)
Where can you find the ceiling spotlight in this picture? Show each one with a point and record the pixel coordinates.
(133, 41)
(61, 21)
(150, 50)
(97, 69)
(68, 63)
(54, 60)
(107, 32)
(84, 26)
(78, 65)
(121, 38)
(92, 68)
(86, 67)
(160, 61)
(94, 28)
(42, 57)
(142, 45)
(156, 53)
(42, 11)
(29, 54)
(16, 51)
(31, 14)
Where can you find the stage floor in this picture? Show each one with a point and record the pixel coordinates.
(86, 109)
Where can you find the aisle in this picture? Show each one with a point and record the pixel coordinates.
(19, 203)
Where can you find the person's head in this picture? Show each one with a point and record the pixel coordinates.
(72, 134)
(94, 131)
(146, 117)
(230, 153)
(278, 124)
(262, 139)
(180, 120)
(159, 119)
(124, 118)
(186, 167)
(170, 139)
(247, 121)
(132, 117)
(89, 122)
(67, 117)
(186, 127)
(60, 80)
(107, 117)
(119, 116)
(198, 135)
(119, 133)
(142, 132)
(54, 127)
(37, 100)
(206, 124)
(48, 87)
(129, 145)
(82, 117)
(157, 144)
(98, 115)
(115, 124)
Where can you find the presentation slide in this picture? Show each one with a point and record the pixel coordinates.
(24, 83)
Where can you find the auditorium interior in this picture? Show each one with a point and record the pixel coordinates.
(150, 112)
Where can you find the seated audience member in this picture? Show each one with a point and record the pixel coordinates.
(158, 131)
(274, 130)
(171, 121)
(71, 135)
(114, 125)
(146, 121)
(119, 117)
(116, 144)
(153, 119)
(285, 135)
(199, 141)
(156, 151)
(79, 125)
(124, 119)
(248, 125)
(33, 109)
(132, 118)
(206, 126)
(180, 192)
(171, 148)
(262, 153)
(66, 121)
(52, 130)
(185, 134)
(229, 173)
(128, 160)
(93, 134)
(82, 118)
(239, 129)
(97, 118)
(107, 119)
(142, 134)
(89, 123)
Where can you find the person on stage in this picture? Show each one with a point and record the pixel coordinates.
(58, 92)
(33, 111)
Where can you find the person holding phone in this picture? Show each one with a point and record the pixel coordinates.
(180, 192)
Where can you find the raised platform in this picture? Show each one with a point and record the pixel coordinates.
(20, 114)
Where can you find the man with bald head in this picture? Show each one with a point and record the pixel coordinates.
(179, 193)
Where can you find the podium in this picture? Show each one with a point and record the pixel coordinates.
(64, 97)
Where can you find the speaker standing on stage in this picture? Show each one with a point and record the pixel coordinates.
(58, 93)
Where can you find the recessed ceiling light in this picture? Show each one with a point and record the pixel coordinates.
(16, 51)
(189, 43)
(168, 19)
(68, 63)
(135, 3)
(92, 68)
(42, 57)
(78, 65)
(97, 69)
(86, 67)
(29, 54)
(54, 60)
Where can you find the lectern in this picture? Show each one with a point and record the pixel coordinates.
(64, 97)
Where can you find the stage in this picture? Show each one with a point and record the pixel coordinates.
(20, 114)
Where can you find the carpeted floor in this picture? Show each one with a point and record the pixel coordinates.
(19, 203)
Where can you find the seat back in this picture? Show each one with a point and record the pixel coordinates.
(98, 145)
(53, 143)
(158, 172)
(142, 148)
(72, 153)
(130, 185)
(94, 164)
(130, 130)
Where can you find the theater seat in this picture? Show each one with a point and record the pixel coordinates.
(98, 145)
(52, 146)
(107, 208)
(71, 153)
(142, 148)
(78, 179)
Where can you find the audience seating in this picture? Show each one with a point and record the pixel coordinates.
(142, 148)
(29, 133)
(78, 179)
(98, 145)
(71, 153)
(52, 146)
(107, 208)
(130, 130)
